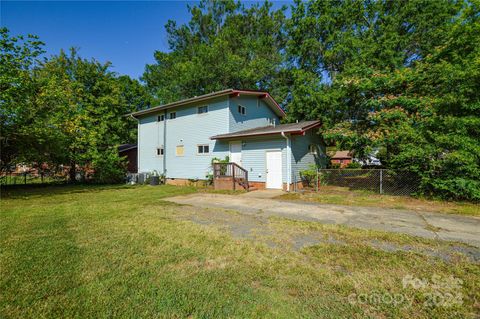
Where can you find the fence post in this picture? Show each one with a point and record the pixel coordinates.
(381, 181)
(316, 183)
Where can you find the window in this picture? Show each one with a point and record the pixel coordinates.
(160, 151)
(160, 118)
(313, 149)
(179, 150)
(272, 121)
(202, 109)
(203, 149)
(173, 115)
(242, 110)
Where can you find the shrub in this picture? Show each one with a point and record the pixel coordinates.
(354, 165)
(309, 176)
(335, 165)
(108, 168)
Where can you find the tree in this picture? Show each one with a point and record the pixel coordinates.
(224, 45)
(397, 76)
(18, 56)
(64, 109)
(88, 104)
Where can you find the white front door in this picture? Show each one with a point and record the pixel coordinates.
(274, 169)
(236, 152)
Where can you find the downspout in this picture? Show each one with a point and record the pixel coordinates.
(165, 146)
(289, 169)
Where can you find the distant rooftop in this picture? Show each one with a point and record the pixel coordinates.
(232, 92)
(341, 154)
(291, 128)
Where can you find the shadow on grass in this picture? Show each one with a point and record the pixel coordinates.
(19, 191)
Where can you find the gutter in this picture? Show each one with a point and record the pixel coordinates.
(289, 160)
(165, 146)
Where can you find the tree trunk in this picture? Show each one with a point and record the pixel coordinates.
(72, 173)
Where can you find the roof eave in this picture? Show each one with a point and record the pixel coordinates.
(261, 95)
(220, 137)
(182, 102)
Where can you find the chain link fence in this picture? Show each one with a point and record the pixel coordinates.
(28, 178)
(382, 181)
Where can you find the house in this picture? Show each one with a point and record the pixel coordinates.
(130, 152)
(341, 158)
(181, 139)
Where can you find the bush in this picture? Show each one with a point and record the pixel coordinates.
(353, 165)
(108, 168)
(335, 165)
(454, 188)
(309, 176)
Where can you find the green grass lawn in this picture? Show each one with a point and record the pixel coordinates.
(123, 251)
(345, 196)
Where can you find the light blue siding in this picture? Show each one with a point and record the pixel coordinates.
(191, 129)
(302, 159)
(188, 129)
(254, 156)
(258, 113)
(149, 138)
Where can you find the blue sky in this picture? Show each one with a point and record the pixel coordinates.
(125, 33)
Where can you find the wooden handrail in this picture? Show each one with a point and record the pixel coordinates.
(236, 172)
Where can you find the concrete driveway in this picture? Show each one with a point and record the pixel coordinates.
(425, 224)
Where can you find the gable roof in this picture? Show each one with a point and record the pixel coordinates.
(342, 154)
(232, 92)
(291, 128)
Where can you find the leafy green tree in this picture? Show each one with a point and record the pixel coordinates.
(18, 56)
(64, 109)
(401, 77)
(88, 104)
(224, 45)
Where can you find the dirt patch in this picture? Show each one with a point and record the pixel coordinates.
(262, 230)
(437, 226)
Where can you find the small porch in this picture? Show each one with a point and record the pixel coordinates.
(230, 176)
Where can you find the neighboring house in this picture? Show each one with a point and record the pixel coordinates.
(342, 158)
(130, 152)
(181, 139)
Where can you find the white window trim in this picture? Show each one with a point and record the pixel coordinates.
(159, 116)
(160, 148)
(243, 107)
(203, 113)
(170, 115)
(201, 154)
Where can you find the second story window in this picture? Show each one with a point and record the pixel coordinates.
(160, 118)
(202, 109)
(242, 109)
(160, 151)
(173, 115)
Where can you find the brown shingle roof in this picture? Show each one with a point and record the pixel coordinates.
(342, 154)
(292, 128)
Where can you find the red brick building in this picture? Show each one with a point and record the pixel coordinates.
(342, 158)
